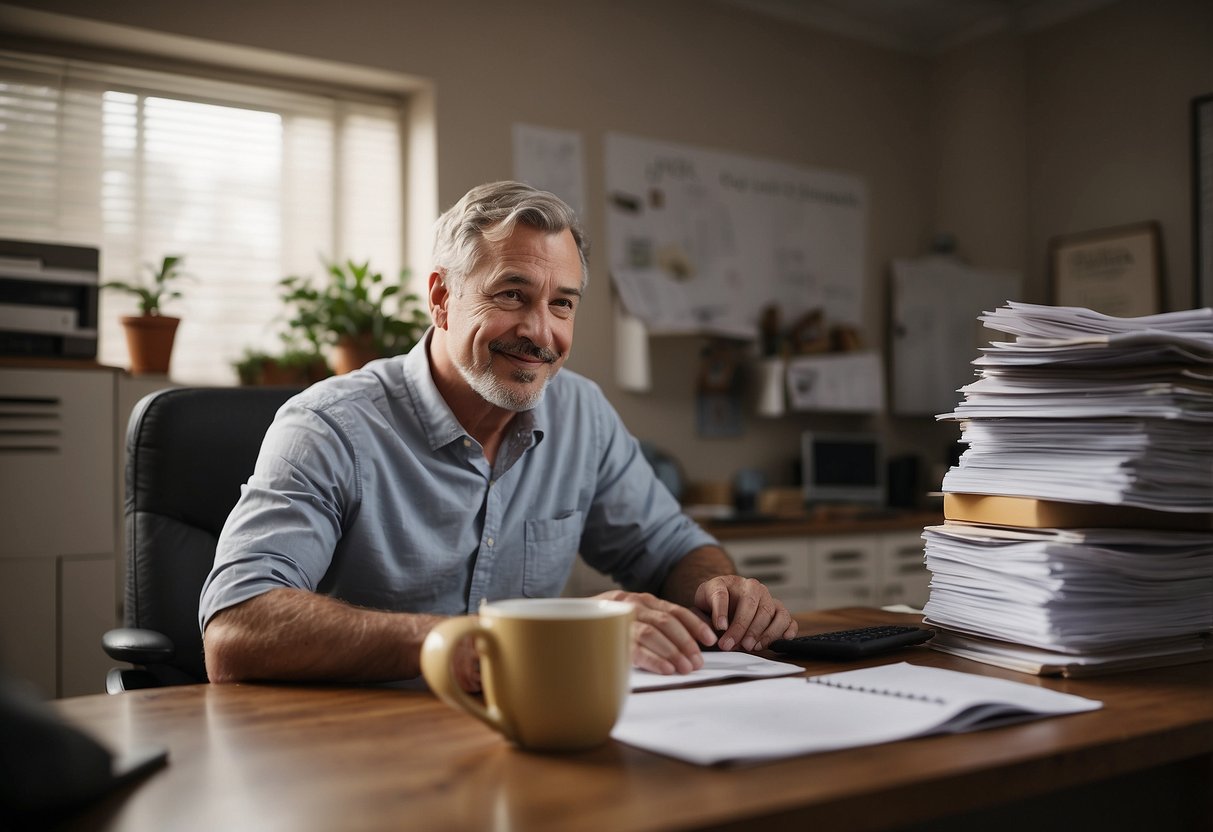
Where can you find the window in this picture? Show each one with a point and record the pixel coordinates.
(248, 183)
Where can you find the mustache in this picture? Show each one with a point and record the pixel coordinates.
(524, 346)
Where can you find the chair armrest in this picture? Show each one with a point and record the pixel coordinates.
(137, 646)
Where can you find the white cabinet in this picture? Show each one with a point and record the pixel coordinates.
(58, 513)
(810, 570)
(903, 577)
(28, 620)
(845, 567)
(784, 564)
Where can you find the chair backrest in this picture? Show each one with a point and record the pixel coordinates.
(188, 451)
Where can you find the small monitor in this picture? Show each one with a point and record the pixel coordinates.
(842, 468)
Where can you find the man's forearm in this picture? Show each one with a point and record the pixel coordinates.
(294, 634)
(696, 567)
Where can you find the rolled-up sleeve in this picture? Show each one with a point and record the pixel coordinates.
(636, 531)
(289, 517)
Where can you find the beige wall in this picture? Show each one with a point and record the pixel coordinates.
(979, 150)
(1108, 126)
(1077, 126)
(1002, 142)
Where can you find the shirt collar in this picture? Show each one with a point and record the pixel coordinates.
(437, 420)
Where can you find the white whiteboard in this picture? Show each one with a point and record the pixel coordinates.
(702, 241)
(935, 331)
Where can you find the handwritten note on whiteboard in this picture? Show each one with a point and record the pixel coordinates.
(702, 241)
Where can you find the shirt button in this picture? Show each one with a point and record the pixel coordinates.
(492, 483)
(467, 443)
(489, 541)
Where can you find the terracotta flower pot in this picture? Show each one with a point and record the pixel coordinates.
(351, 352)
(149, 340)
(292, 375)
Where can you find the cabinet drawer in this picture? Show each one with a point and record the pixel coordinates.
(844, 570)
(782, 563)
(57, 495)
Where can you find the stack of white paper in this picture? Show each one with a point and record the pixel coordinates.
(1152, 463)
(1070, 591)
(1083, 408)
(1035, 320)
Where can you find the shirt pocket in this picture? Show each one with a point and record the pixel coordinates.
(551, 548)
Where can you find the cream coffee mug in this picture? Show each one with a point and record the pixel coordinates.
(555, 671)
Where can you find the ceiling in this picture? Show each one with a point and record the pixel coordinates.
(919, 26)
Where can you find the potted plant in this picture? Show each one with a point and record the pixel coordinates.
(356, 313)
(250, 367)
(294, 367)
(150, 334)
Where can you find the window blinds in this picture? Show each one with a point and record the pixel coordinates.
(248, 183)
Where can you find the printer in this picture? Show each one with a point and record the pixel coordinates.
(48, 299)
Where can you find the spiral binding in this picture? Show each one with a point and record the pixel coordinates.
(900, 694)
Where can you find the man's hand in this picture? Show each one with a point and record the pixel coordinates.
(744, 612)
(465, 663)
(665, 636)
(740, 609)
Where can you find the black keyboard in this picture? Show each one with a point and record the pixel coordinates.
(852, 644)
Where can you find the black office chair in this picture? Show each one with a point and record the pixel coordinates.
(188, 451)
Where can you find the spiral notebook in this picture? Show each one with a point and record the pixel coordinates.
(750, 722)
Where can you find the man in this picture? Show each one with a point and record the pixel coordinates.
(469, 469)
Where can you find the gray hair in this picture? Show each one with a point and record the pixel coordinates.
(490, 213)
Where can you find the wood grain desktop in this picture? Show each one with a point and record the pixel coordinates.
(314, 757)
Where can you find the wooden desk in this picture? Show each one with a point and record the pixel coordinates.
(270, 757)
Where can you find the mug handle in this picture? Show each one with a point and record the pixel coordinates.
(437, 654)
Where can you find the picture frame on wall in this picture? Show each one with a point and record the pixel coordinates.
(1116, 271)
(1202, 200)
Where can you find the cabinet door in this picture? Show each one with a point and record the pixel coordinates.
(58, 508)
(845, 570)
(57, 451)
(782, 563)
(27, 622)
(86, 610)
(903, 577)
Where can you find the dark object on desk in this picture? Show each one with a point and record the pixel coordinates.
(903, 482)
(666, 467)
(747, 485)
(858, 643)
(188, 451)
(49, 769)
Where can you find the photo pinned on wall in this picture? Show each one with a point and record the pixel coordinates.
(718, 392)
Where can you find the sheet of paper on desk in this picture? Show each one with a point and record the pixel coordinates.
(756, 721)
(716, 666)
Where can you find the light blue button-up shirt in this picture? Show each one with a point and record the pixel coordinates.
(368, 489)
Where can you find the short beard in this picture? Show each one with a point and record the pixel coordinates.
(498, 393)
